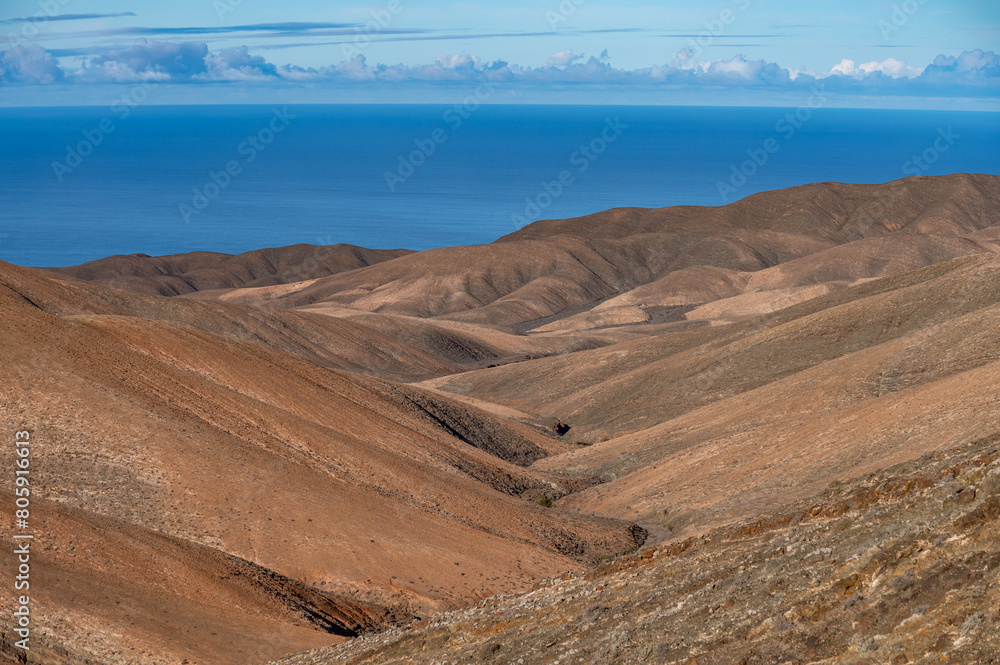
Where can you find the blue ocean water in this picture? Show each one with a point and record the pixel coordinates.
(81, 183)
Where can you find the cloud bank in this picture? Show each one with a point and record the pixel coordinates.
(31, 64)
(168, 62)
(971, 74)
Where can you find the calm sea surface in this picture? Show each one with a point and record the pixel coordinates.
(82, 183)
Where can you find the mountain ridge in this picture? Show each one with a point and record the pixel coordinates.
(349, 446)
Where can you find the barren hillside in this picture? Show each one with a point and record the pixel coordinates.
(900, 566)
(204, 271)
(377, 493)
(238, 457)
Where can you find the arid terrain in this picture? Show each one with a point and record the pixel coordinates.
(760, 433)
(899, 566)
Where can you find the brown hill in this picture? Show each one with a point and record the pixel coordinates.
(379, 493)
(557, 268)
(400, 349)
(201, 271)
(897, 567)
(175, 598)
(252, 438)
(617, 268)
(700, 427)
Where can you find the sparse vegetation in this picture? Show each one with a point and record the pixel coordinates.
(545, 503)
(917, 597)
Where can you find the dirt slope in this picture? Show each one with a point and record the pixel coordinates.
(399, 349)
(625, 387)
(900, 566)
(553, 267)
(695, 429)
(311, 442)
(370, 490)
(201, 271)
(176, 599)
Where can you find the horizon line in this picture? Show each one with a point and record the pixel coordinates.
(950, 108)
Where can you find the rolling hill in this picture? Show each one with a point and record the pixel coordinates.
(774, 402)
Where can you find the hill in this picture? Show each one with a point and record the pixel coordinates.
(552, 270)
(204, 453)
(896, 567)
(202, 271)
(240, 457)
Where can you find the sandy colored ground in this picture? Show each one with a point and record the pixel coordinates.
(313, 443)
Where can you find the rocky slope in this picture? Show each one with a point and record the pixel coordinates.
(294, 451)
(898, 566)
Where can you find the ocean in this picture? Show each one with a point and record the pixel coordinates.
(78, 184)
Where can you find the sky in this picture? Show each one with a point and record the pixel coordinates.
(862, 53)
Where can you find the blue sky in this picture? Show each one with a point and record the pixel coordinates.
(872, 53)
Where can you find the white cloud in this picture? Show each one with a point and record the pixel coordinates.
(846, 67)
(562, 59)
(975, 73)
(972, 67)
(237, 65)
(892, 68)
(148, 61)
(459, 61)
(29, 64)
(738, 66)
